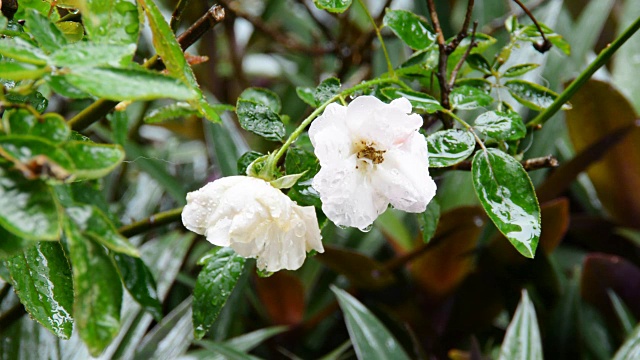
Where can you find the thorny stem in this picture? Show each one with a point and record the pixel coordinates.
(599, 61)
(546, 44)
(382, 45)
(159, 219)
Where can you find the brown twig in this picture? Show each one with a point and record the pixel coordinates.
(498, 23)
(151, 222)
(546, 44)
(464, 31)
(548, 161)
(206, 22)
(456, 69)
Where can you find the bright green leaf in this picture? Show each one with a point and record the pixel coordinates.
(84, 54)
(449, 147)
(501, 125)
(36, 157)
(44, 31)
(139, 281)
(532, 95)
(260, 120)
(421, 102)
(59, 84)
(93, 160)
(72, 30)
(22, 51)
(479, 83)
(428, 220)
(10, 70)
(335, 6)
(298, 160)
(518, 70)
(466, 97)
(522, 340)
(175, 111)
(411, 28)
(111, 21)
(306, 94)
(287, 181)
(49, 126)
(33, 99)
(262, 96)
(507, 195)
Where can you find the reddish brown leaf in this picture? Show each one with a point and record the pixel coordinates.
(282, 295)
(555, 222)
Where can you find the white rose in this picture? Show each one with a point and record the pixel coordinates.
(371, 155)
(254, 219)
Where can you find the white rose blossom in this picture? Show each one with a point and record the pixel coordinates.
(254, 219)
(371, 155)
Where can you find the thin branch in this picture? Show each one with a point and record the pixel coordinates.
(544, 162)
(206, 22)
(442, 64)
(177, 14)
(464, 31)
(546, 44)
(456, 69)
(156, 220)
(498, 23)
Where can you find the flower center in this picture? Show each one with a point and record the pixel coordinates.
(366, 150)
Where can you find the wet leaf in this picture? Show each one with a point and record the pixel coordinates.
(419, 101)
(260, 120)
(299, 159)
(34, 99)
(282, 295)
(466, 97)
(19, 71)
(72, 30)
(449, 147)
(306, 94)
(175, 111)
(428, 221)
(22, 51)
(84, 54)
(41, 277)
(507, 195)
(522, 340)
(532, 95)
(479, 83)
(370, 339)
(262, 96)
(478, 62)
(412, 29)
(111, 21)
(91, 160)
(519, 70)
(50, 126)
(139, 281)
(501, 125)
(327, 89)
(246, 159)
(213, 287)
(44, 31)
(335, 6)
(36, 157)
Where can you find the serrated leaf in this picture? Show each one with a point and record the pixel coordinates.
(91, 160)
(507, 195)
(128, 84)
(213, 287)
(478, 62)
(428, 221)
(467, 97)
(44, 31)
(306, 94)
(260, 119)
(501, 125)
(84, 54)
(20, 50)
(41, 277)
(327, 89)
(420, 102)
(522, 340)
(50, 126)
(449, 147)
(10, 70)
(98, 292)
(334, 6)
(532, 95)
(370, 339)
(518, 70)
(262, 96)
(111, 21)
(93, 223)
(412, 29)
(246, 159)
(139, 282)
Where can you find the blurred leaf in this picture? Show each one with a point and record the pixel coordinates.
(173, 111)
(428, 221)
(623, 71)
(369, 337)
(507, 195)
(412, 29)
(362, 271)
(479, 83)
(627, 321)
(522, 340)
(327, 89)
(213, 287)
(478, 62)
(28, 208)
(128, 84)
(260, 120)
(262, 96)
(518, 70)
(72, 30)
(306, 94)
(419, 101)
(449, 147)
(591, 122)
(169, 338)
(11, 244)
(630, 350)
(98, 292)
(120, 126)
(94, 224)
(111, 21)
(555, 217)
(19, 71)
(93, 160)
(22, 51)
(227, 352)
(532, 95)
(501, 125)
(335, 6)
(50, 126)
(34, 99)
(59, 84)
(41, 277)
(392, 224)
(338, 352)
(466, 97)
(83, 54)
(44, 31)
(531, 33)
(282, 296)
(139, 281)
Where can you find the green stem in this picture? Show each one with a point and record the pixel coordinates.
(466, 126)
(602, 59)
(151, 222)
(379, 35)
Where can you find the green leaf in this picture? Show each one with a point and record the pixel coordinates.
(227, 352)
(501, 125)
(33, 99)
(83, 54)
(11, 244)
(466, 97)
(28, 208)
(623, 313)
(173, 111)
(36, 157)
(59, 84)
(20, 50)
(262, 96)
(428, 221)
(44, 31)
(412, 29)
(139, 281)
(128, 84)
(630, 350)
(41, 277)
(519, 70)
(531, 33)
(327, 89)
(532, 95)
(421, 102)
(120, 126)
(93, 223)
(260, 119)
(93, 160)
(478, 62)
(246, 159)
(507, 195)
(334, 6)
(287, 181)
(522, 340)
(449, 147)
(370, 338)
(98, 292)
(10, 70)
(72, 30)
(479, 83)
(306, 94)
(298, 160)
(50, 126)
(111, 21)
(213, 287)
(165, 43)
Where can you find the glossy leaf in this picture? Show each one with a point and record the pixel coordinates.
(520, 69)
(478, 62)
(93, 223)
(175, 111)
(335, 6)
(93, 160)
(98, 292)
(50, 126)
(41, 277)
(449, 147)
(467, 98)
(36, 157)
(501, 125)
(507, 195)
(630, 350)
(428, 221)
(522, 340)
(111, 21)
(369, 337)
(139, 282)
(479, 83)
(260, 119)
(22, 51)
(300, 158)
(532, 95)
(410, 28)
(44, 31)
(10, 70)
(84, 54)
(531, 33)
(59, 84)
(246, 159)
(327, 89)
(128, 84)
(28, 208)
(11, 245)
(213, 287)
(34, 99)
(72, 30)
(262, 96)
(420, 102)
